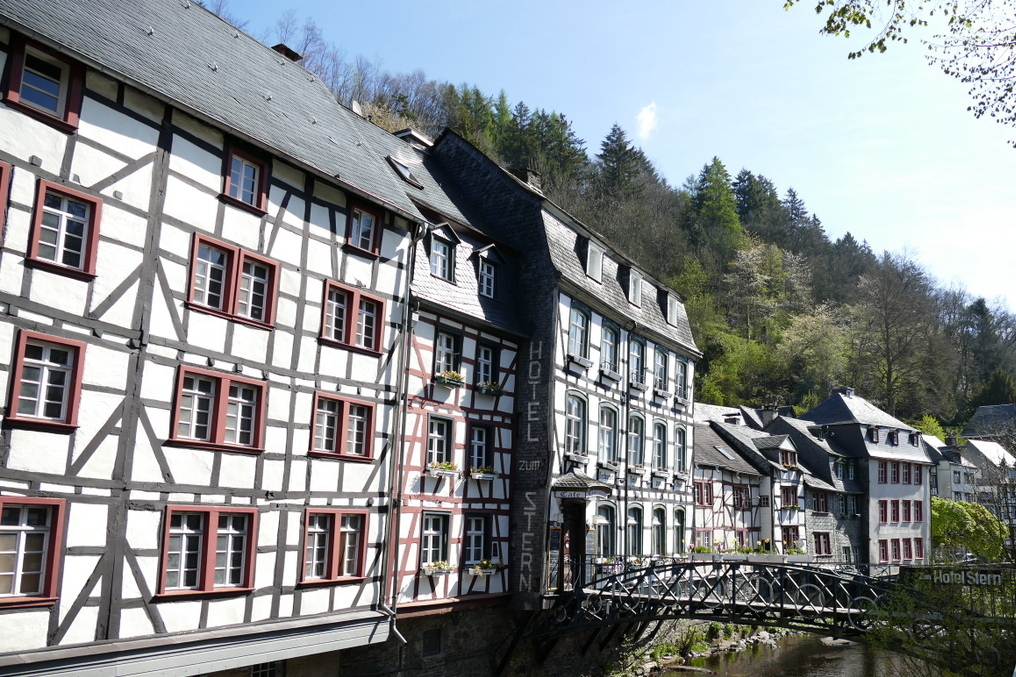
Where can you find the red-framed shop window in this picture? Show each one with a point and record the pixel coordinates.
(208, 550)
(46, 381)
(217, 410)
(334, 546)
(31, 547)
(232, 282)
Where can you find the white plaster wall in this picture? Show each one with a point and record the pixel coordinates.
(287, 246)
(190, 466)
(226, 611)
(250, 343)
(133, 623)
(358, 272)
(86, 525)
(196, 163)
(319, 258)
(24, 630)
(237, 470)
(315, 601)
(58, 291)
(92, 165)
(180, 615)
(25, 136)
(136, 189)
(324, 475)
(241, 227)
(24, 452)
(114, 130)
(191, 205)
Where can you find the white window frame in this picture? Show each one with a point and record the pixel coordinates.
(434, 537)
(63, 84)
(486, 278)
(635, 288)
(439, 440)
(594, 262)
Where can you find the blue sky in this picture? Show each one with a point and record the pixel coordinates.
(882, 146)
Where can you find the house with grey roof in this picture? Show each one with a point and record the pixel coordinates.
(891, 465)
(606, 383)
(992, 421)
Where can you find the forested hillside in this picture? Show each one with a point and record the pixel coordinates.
(781, 312)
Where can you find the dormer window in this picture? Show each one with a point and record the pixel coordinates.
(873, 435)
(672, 310)
(594, 262)
(441, 259)
(486, 278)
(635, 288)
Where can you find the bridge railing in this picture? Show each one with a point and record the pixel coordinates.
(576, 572)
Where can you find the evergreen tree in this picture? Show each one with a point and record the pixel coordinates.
(715, 226)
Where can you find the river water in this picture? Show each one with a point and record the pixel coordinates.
(798, 656)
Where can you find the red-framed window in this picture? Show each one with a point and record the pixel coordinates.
(788, 496)
(208, 550)
(917, 474)
(895, 549)
(44, 84)
(704, 493)
(883, 468)
(908, 551)
(823, 544)
(218, 410)
(741, 498)
(821, 502)
(883, 512)
(46, 383)
(245, 180)
(363, 229)
(894, 472)
(65, 230)
(334, 545)
(906, 473)
(894, 511)
(232, 282)
(918, 548)
(351, 318)
(342, 427)
(31, 543)
(918, 511)
(905, 508)
(883, 550)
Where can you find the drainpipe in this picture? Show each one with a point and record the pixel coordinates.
(397, 467)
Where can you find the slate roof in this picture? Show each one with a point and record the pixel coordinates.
(578, 480)
(799, 431)
(611, 292)
(993, 452)
(991, 420)
(182, 52)
(707, 452)
(462, 295)
(842, 407)
(714, 412)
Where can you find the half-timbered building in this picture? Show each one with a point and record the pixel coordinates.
(204, 283)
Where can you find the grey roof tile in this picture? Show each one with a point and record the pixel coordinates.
(186, 54)
(842, 407)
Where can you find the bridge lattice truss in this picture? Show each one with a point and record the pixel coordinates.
(840, 603)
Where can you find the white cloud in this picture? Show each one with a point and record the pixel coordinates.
(647, 120)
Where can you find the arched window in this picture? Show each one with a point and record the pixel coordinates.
(608, 348)
(608, 434)
(636, 360)
(578, 333)
(634, 530)
(681, 449)
(660, 445)
(575, 425)
(679, 546)
(636, 440)
(606, 530)
(659, 531)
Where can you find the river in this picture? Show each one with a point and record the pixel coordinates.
(798, 656)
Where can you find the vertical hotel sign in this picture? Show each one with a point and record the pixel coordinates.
(530, 482)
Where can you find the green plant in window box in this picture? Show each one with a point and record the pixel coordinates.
(437, 567)
(442, 465)
(452, 379)
(489, 388)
